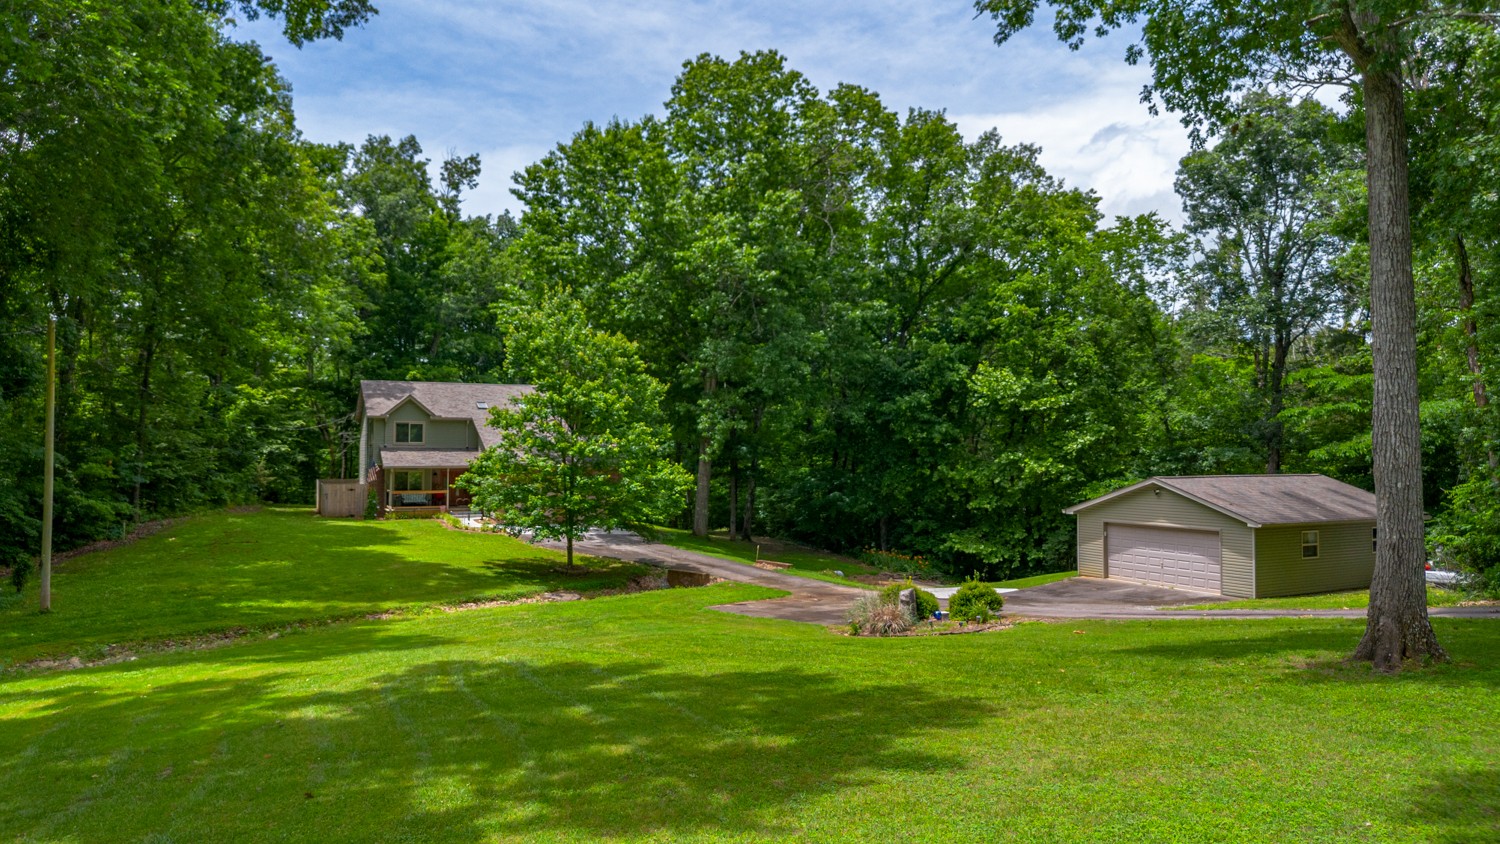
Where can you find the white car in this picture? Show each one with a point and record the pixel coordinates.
(1438, 577)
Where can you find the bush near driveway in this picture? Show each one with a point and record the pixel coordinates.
(975, 601)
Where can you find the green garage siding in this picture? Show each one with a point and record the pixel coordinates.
(1168, 510)
(1346, 559)
(1144, 531)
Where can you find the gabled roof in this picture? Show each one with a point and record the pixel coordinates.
(1259, 500)
(442, 400)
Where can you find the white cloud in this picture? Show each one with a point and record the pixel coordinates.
(511, 80)
(1105, 141)
(493, 195)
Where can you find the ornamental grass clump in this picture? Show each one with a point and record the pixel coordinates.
(872, 615)
(975, 601)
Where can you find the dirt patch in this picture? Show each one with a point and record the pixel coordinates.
(771, 565)
(217, 639)
(129, 653)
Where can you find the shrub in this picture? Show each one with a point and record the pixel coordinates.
(927, 604)
(872, 615)
(975, 601)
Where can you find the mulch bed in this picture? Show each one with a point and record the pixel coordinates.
(944, 629)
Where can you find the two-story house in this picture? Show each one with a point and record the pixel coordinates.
(417, 437)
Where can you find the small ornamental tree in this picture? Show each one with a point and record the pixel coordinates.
(586, 449)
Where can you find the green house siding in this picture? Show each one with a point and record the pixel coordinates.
(1346, 559)
(1169, 510)
(442, 434)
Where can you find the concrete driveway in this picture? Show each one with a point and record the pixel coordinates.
(1091, 597)
(816, 602)
(811, 601)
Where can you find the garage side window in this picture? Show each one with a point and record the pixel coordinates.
(1309, 544)
(1374, 540)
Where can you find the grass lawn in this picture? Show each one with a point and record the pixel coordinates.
(1034, 580)
(270, 567)
(648, 718)
(806, 562)
(1356, 600)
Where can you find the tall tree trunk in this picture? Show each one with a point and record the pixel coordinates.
(570, 550)
(748, 525)
(1280, 347)
(143, 404)
(705, 468)
(1471, 334)
(734, 498)
(1471, 326)
(1397, 627)
(700, 501)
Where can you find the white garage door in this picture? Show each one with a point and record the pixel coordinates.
(1164, 557)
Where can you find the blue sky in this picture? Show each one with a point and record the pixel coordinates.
(510, 81)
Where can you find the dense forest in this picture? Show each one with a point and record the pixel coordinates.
(872, 331)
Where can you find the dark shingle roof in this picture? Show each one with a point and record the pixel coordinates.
(444, 400)
(1265, 499)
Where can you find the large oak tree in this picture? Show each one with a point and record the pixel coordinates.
(1204, 51)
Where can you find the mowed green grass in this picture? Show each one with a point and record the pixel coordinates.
(650, 718)
(275, 566)
(1357, 599)
(806, 562)
(1034, 580)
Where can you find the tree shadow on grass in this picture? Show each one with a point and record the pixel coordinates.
(466, 750)
(1459, 806)
(1323, 646)
(275, 567)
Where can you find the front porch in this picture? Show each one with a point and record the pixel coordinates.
(423, 491)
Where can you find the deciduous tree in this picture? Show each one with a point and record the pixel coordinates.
(589, 447)
(1204, 51)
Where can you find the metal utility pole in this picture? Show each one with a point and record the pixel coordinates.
(47, 464)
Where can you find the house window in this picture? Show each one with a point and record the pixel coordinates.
(409, 480)
(407, 486)
(408, 432)
(1309, 544)
(1374, 535)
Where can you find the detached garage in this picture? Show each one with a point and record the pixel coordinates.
(1246, 536)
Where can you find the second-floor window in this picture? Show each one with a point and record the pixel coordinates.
(409, 432)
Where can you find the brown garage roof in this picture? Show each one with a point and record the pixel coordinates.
(443, 400)
(1260, 500)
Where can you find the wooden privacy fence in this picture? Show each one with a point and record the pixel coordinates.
(341, 497)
